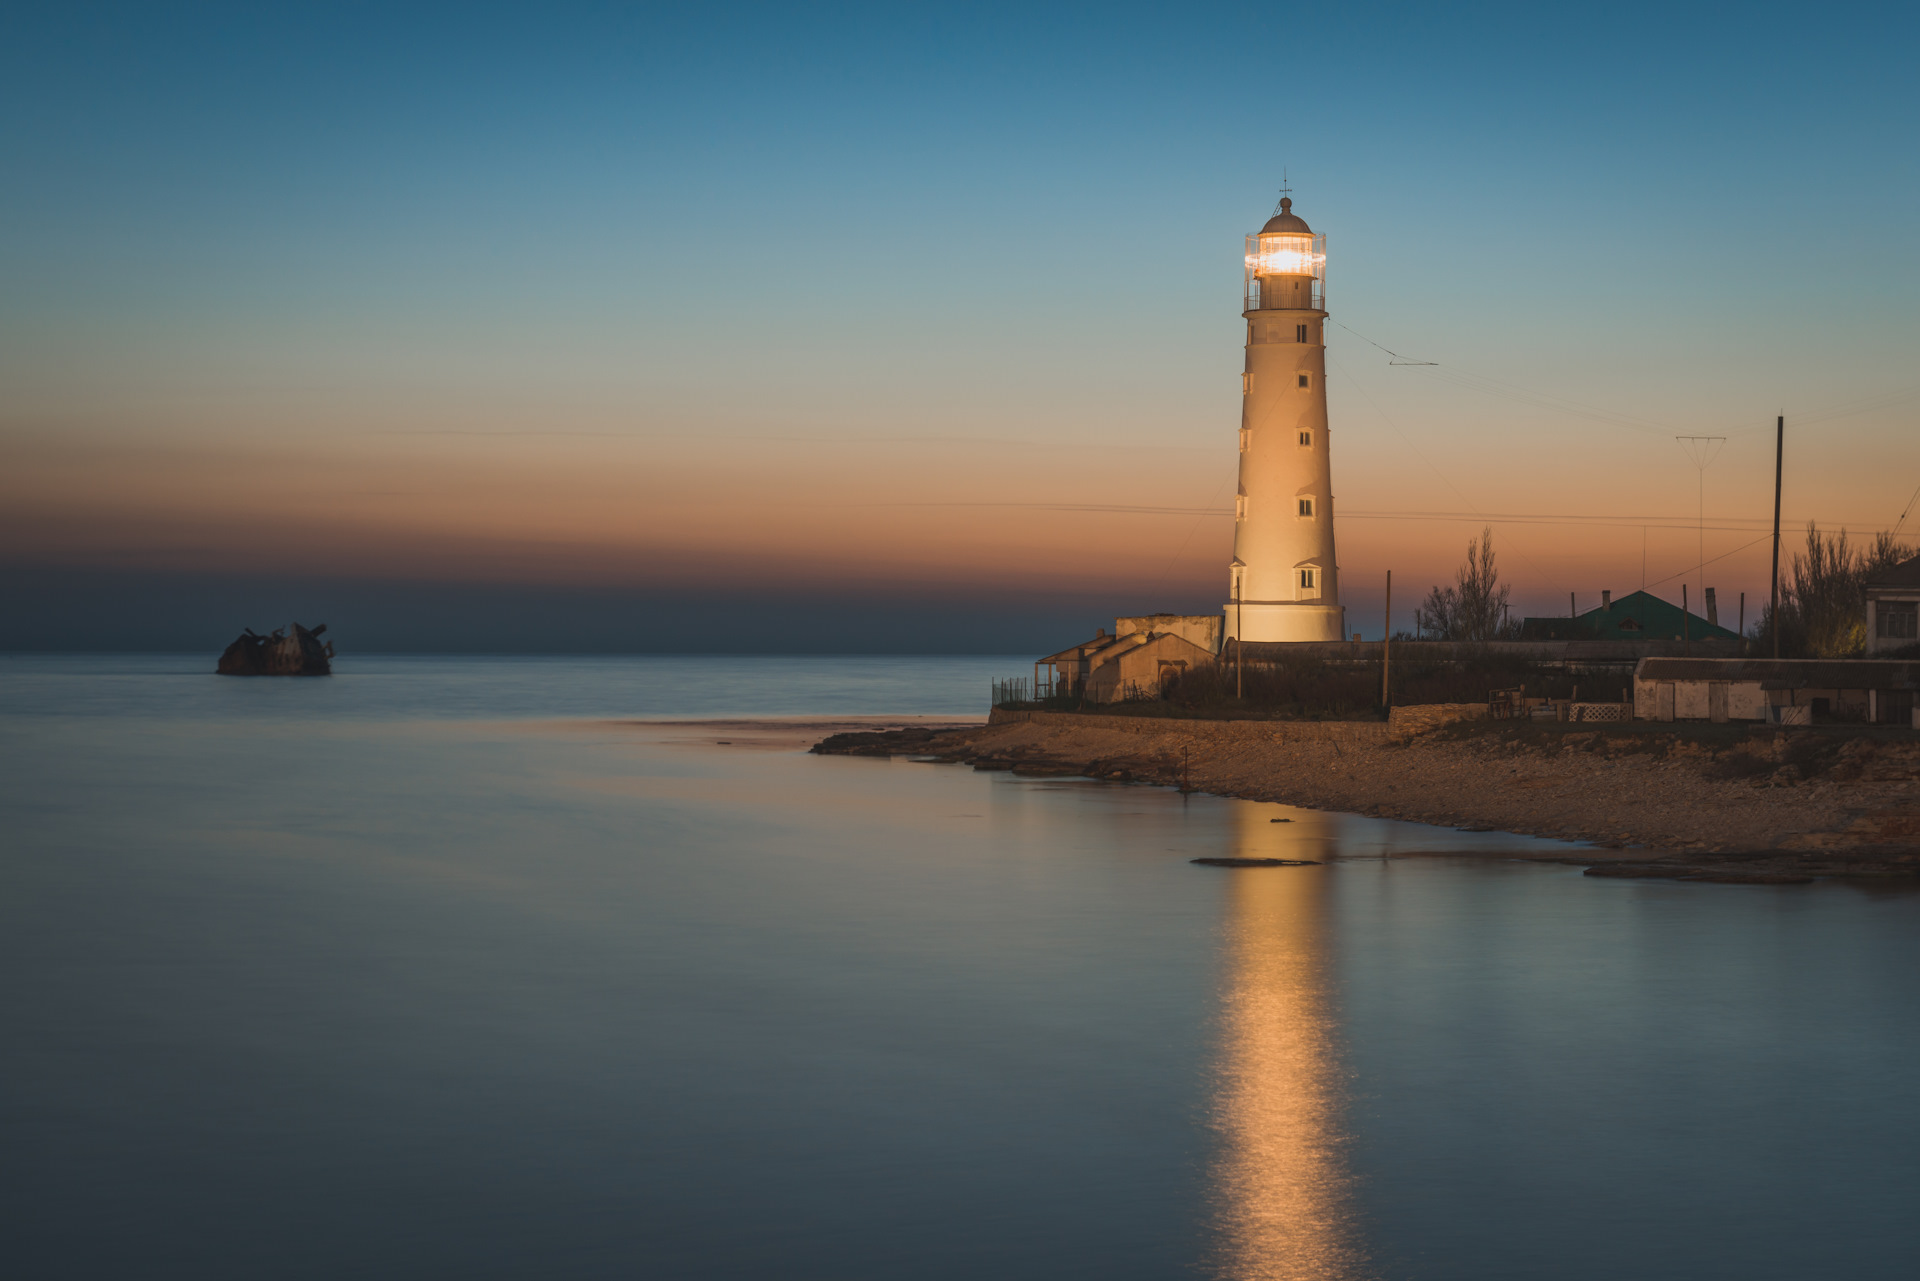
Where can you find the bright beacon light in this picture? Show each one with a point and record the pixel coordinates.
(1285, 255)
(1286, 264)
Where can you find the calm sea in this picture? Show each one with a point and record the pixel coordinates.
(438, 969)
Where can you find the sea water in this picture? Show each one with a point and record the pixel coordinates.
(487, 967)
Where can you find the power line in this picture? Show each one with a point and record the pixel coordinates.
(1510, 391)
(1702, 450)
(1905, 512)
(1208, 510)
(1500, 390)
(1722, 524)
(1854, 408)
(1703, 564)
(1368, 396)
(1395, 357)
(1468, 380)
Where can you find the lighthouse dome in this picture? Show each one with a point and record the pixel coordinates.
(1286, 220)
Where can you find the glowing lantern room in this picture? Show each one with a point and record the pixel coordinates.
(1286, 265)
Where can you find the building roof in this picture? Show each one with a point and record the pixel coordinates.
(1104, 649)
(1904, 574)
(1635, 616)
(1287, 220)
(1786, 673)
(1085, 649)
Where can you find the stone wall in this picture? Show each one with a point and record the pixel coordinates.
(1223, 731)
(1422, 718)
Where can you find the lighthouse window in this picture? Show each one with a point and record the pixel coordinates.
(1306, 438)
(1299, 333)
(1303, 380)
(1240, 507)
(1246, 438)
(1306, 579)
(1306, 507)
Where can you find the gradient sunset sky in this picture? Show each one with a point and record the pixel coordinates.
(889, 306)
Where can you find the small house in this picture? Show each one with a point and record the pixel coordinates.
(1637, 616)
(1108, 669)
(1783, 691)
(1893, 608)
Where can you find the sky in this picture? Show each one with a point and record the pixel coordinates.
(588, 327)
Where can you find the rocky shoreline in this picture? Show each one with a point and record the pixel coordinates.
(1727, 803)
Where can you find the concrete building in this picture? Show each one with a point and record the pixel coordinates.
(1284, 584)
(1893, 608)
(1783, 691)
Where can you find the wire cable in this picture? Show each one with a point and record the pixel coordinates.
(1368, 397)
(1703, 564)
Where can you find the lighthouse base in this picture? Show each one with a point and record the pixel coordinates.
(1285, 621)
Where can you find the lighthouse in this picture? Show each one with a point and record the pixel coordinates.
(1284, 583)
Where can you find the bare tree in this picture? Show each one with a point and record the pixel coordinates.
(1823, 602)
(1474, 606)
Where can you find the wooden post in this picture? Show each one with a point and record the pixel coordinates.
(1386, 646)
(1686, 631)
(1743, 622)
(1779, 458)
(1573, 608)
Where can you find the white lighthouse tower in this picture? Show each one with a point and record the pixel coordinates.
(1284, 584)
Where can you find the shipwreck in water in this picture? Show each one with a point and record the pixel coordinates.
(298, 653)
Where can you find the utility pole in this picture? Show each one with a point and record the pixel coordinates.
(1686, 623)
(1386, 645)
(1779, 459)
(1239, 686)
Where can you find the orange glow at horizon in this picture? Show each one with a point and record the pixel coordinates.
(594, 498)
(608, 510)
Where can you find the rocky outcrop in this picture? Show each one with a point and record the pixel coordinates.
(877, 742)
(301, 653)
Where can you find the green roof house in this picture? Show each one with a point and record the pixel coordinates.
(1638, 616)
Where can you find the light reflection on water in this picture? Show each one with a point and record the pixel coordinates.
(1282, 1183)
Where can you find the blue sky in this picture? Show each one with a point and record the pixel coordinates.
(947, 257)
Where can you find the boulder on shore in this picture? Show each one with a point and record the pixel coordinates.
(302, 653)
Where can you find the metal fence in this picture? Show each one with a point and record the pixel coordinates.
(1313, 298)
(1017, 690)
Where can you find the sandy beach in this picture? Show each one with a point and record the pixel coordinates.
(1719, 802)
